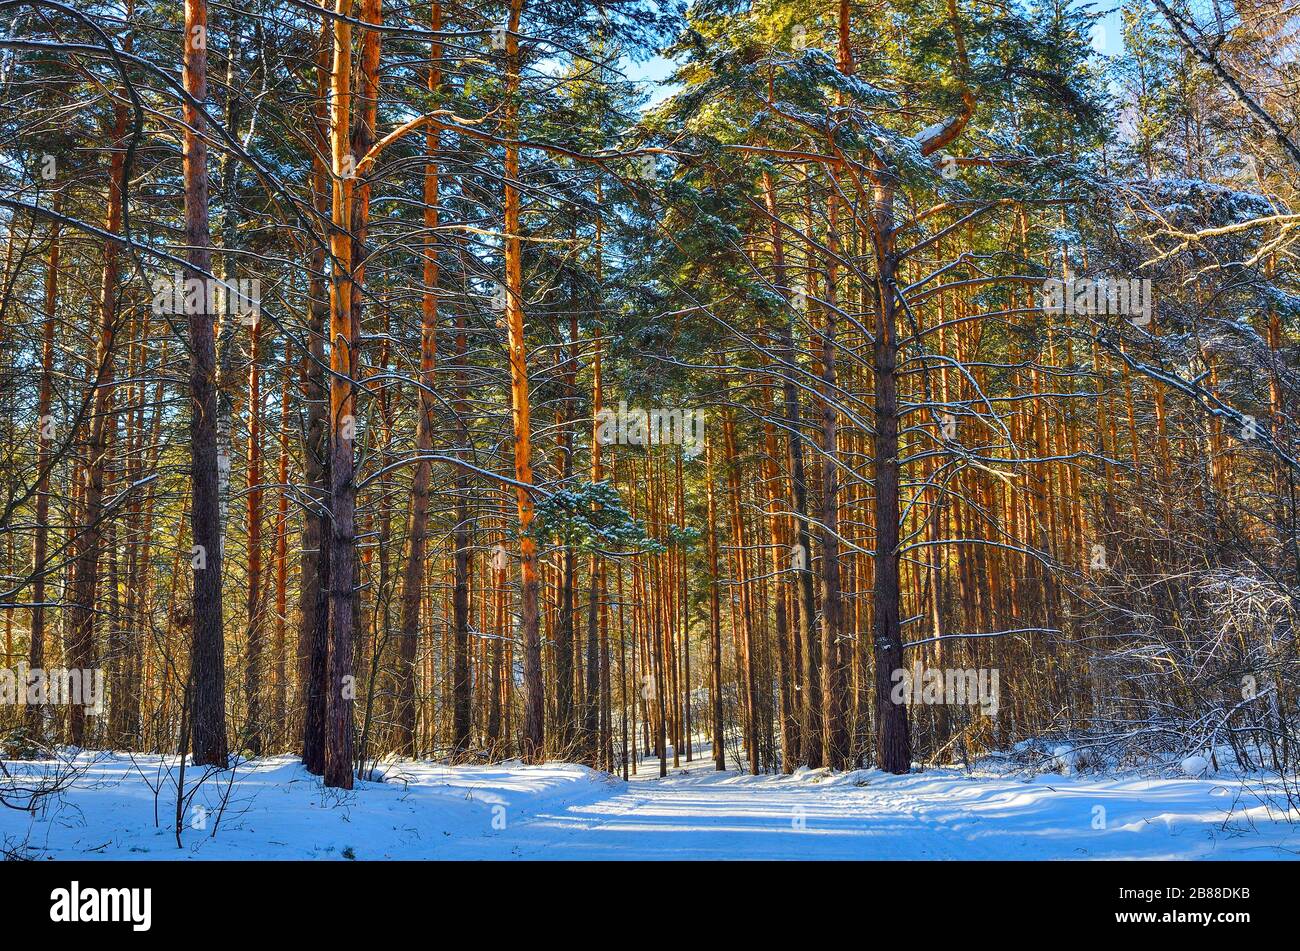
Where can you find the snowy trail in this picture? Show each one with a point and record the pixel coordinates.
(696, 814)
(563, 811)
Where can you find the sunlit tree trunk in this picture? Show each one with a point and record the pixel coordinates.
(340, 679)
(534, 702)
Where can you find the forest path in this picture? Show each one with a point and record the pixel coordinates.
(698, 813)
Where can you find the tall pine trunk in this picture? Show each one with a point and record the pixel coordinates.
(462, 701)
(811, 744)
(44, 461)
(339, 678)
(534, 696)
(313, 631)
(715, 618)
(253, 637)
(413, 572)
(207, 660)
(893, 743)
(835, 719)
(280, 707)
(592, 708)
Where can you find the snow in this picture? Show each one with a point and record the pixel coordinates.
(424, 810)
(1192, 195)
(1068, 760)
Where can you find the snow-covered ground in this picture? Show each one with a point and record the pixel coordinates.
(276, 810)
